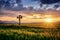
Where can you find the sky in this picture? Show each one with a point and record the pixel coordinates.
(42, 4)
(31, 10)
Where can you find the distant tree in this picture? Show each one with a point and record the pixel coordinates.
(19, 18)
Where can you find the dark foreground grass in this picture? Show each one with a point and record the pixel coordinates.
(15, 32)
(16, 36)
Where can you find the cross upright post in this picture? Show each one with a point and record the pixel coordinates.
(19, 17)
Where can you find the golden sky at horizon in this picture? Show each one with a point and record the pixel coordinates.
(29, 17)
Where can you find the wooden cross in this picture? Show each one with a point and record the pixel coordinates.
(19, 17)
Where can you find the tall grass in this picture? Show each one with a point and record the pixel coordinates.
(15, 32)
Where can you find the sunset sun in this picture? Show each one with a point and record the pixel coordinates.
(48, 20)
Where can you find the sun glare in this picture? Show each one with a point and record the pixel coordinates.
(48, 20)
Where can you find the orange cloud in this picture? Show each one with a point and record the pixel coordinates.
(30, 16)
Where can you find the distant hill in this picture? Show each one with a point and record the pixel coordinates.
(7, 22)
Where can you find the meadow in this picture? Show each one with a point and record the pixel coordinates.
(28, 32)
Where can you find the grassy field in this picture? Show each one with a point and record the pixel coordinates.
(27, 32)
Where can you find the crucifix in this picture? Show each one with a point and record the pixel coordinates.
(19, 17)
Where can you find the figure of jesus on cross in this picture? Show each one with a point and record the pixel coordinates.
(19, 17)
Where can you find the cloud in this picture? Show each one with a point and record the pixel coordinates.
(49, 1)
(29, 16)
(48, 4)
(11, 4)
(19, 5)
(11, 13)
(5, 13)
(56, 6)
